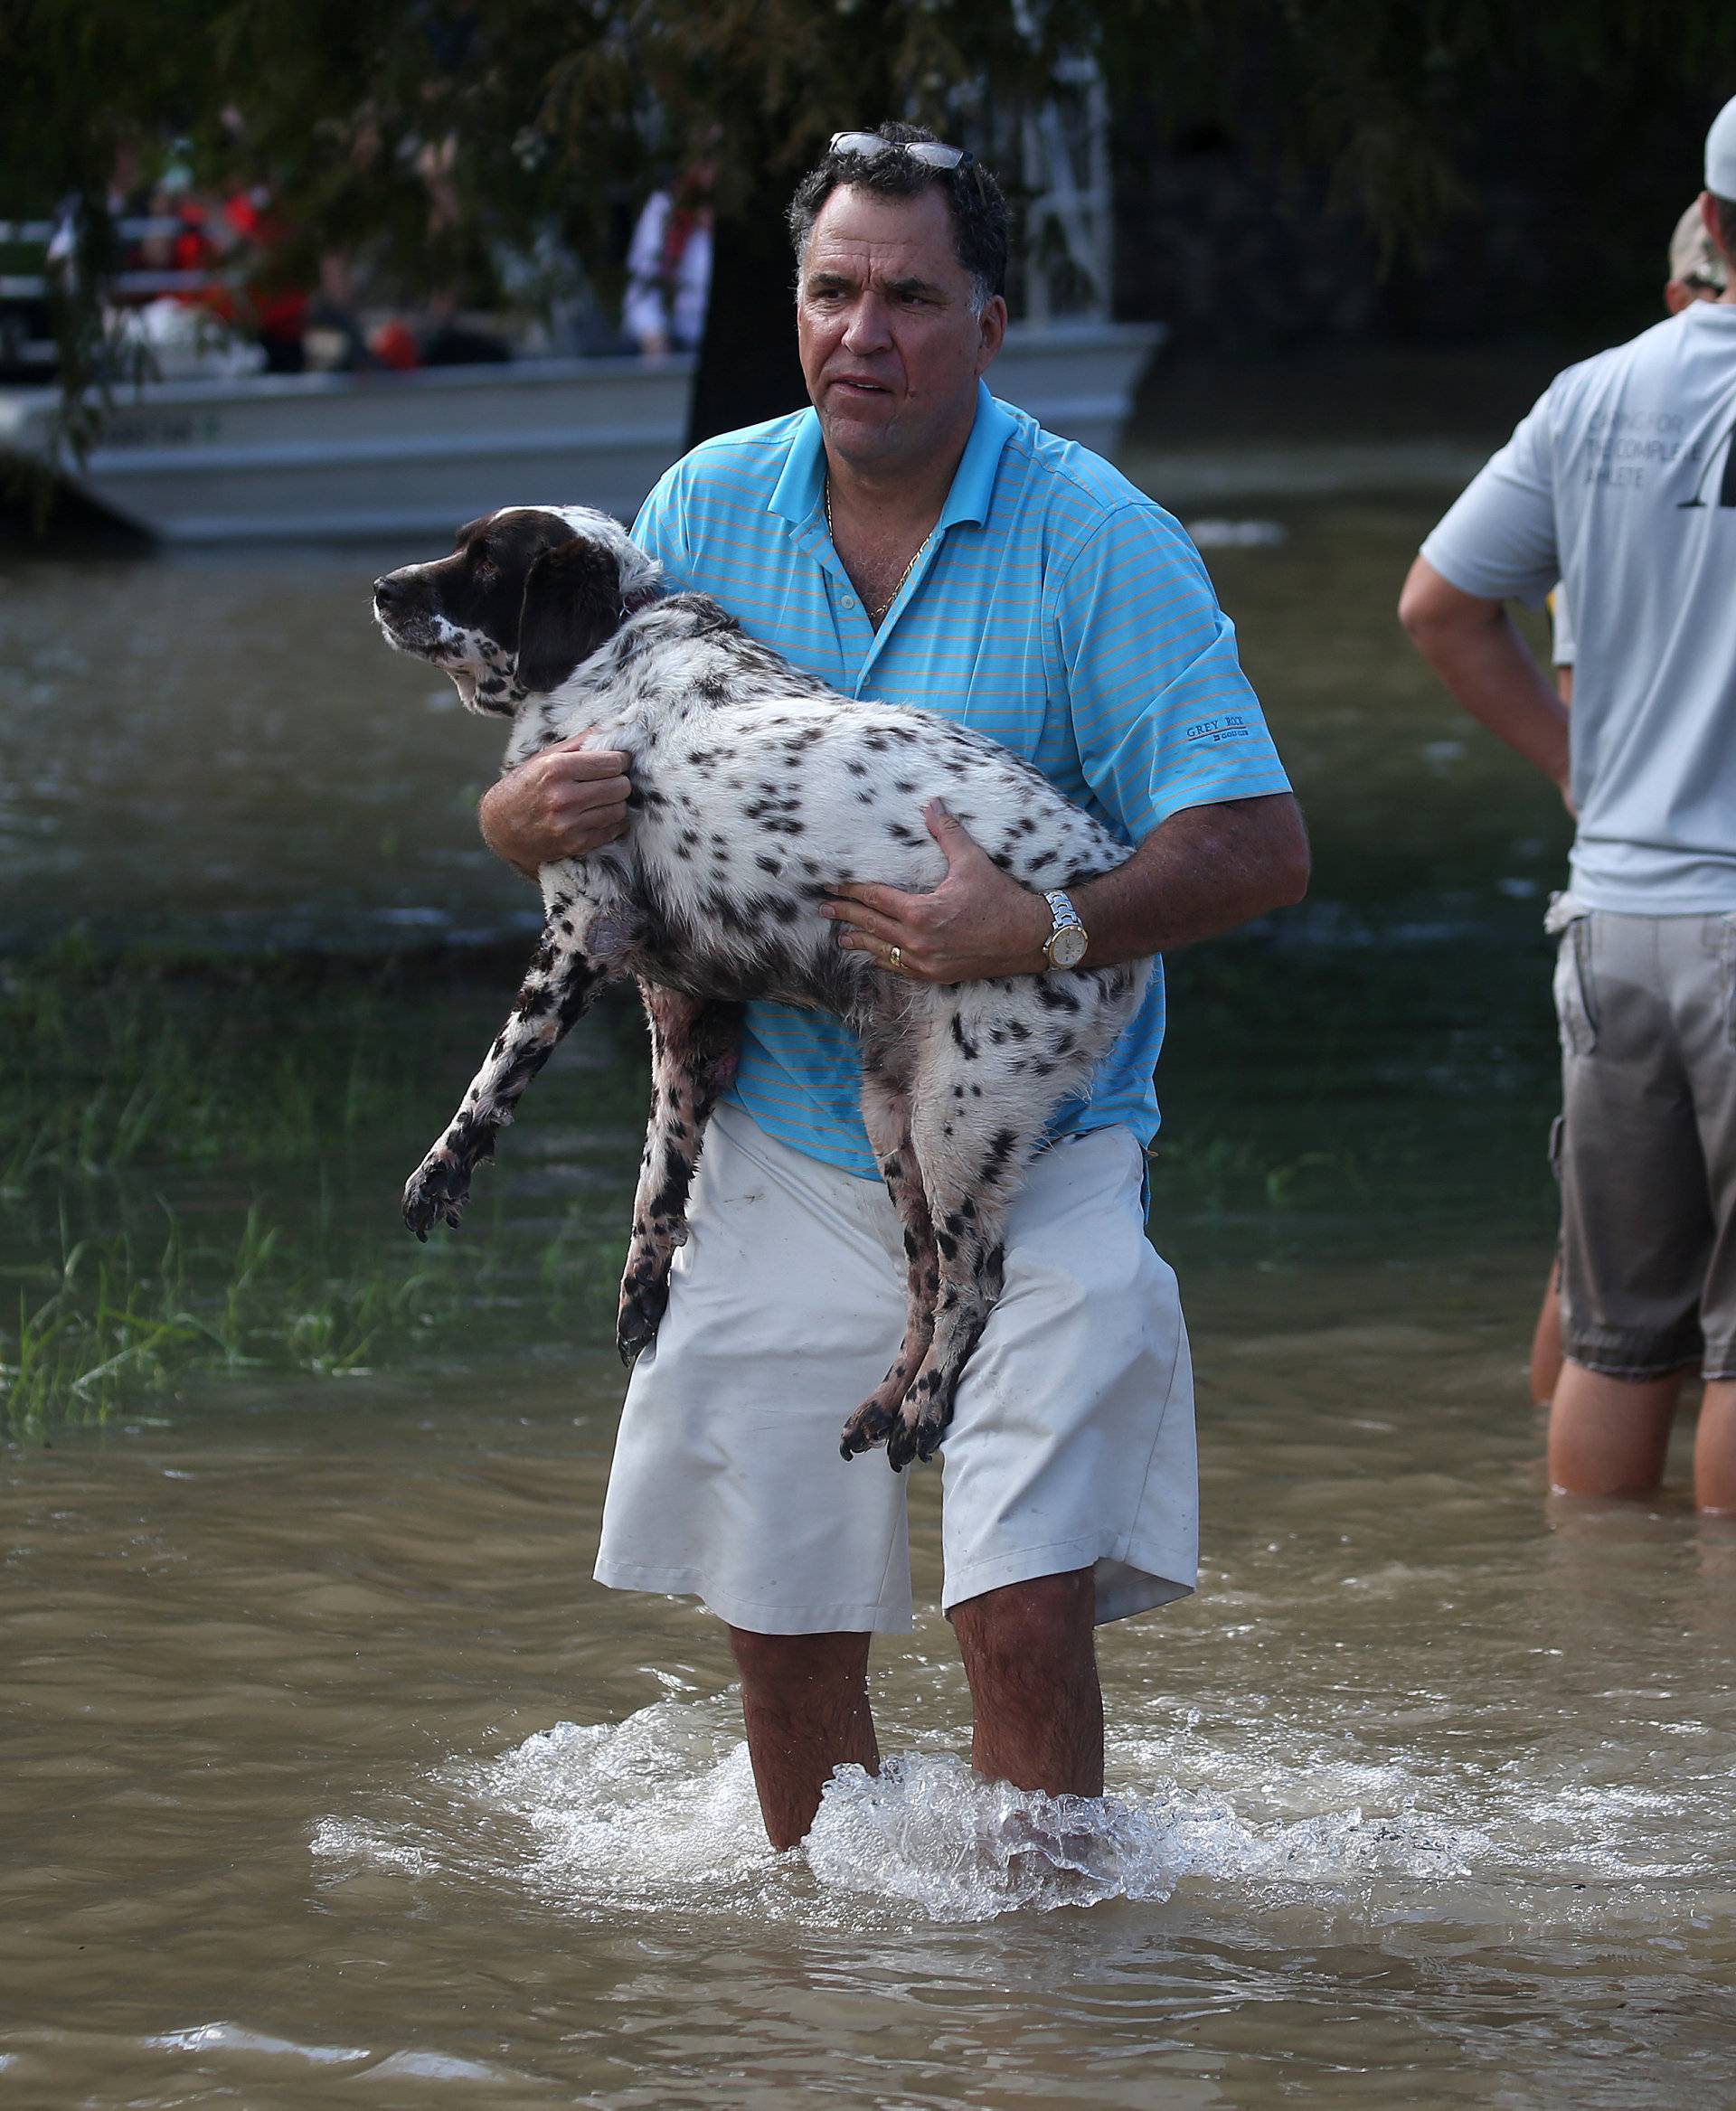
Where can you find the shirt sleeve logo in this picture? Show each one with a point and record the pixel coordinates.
(1213, 732)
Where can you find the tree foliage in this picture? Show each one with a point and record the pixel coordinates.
(554, 112)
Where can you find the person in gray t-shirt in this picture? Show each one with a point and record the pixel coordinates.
(1696, 272)
(1621, 483)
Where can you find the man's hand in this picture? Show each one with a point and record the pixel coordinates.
(976, 923)
(561, 804)
(1205, 870)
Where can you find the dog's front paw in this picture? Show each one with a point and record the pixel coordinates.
(436, 1193)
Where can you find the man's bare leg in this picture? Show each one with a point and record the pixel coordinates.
(1714, 1449)
(1029, 1653)
(805, 1700)
(1608, 1436)
(1546, 1343)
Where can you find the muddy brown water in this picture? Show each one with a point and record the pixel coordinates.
(330, 1774)
(326, 1772)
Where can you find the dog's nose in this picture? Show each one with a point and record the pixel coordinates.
(388, 587)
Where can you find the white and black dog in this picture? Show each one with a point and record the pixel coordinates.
(757, 792)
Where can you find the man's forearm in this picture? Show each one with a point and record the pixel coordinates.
(1490, 671)
(1206, 870)
(563, 803)
(1472, 645)
(494, 820)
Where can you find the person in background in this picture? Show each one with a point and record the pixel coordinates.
(1697, 272)
(275, 307)
(1621, 483)
(669, 265)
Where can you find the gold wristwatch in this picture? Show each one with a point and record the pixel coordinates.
(1067, 944)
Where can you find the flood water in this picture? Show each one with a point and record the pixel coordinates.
(217, 750)
(330, 1775)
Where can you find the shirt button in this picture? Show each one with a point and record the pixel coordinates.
(849, 601)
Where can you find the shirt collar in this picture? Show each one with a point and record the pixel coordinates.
(973, 483)
(800, 487)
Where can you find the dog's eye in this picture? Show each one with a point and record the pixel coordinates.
(487, 568)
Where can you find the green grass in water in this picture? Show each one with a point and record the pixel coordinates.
(200, 1164)
(203, 1160)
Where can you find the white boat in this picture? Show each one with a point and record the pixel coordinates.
(318, 456)
(232, 457)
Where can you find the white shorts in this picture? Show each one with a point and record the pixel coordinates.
(1071, 1445)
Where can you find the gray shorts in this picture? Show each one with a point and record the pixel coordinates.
(1647, 1141)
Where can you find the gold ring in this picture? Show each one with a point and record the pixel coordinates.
(895, 960)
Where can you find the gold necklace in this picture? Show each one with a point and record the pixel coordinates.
(874, 614)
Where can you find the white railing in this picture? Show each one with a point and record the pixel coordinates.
(1056, 154)
(22, 292)
(1069, 236)
(47, 235)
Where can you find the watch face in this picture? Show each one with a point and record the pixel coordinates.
(1067, 948)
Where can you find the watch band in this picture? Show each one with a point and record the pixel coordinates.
(1061, 948)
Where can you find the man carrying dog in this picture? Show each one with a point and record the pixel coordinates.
(1622, 483)
(910, 538)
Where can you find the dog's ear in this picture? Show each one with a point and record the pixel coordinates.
(572, 605)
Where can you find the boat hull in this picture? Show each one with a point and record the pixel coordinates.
(315, 457)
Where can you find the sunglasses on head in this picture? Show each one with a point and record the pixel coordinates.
(869, 146)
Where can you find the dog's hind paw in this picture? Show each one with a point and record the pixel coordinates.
(921, 1427)
(631, 1342)
(436, 1193)
(906, 1444)
(635, 1330)
(872, 1423)
(644, 1296)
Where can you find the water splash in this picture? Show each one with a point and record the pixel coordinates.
(661, 1805)
(359, 1843)
(930, 1831)
(659, 1812)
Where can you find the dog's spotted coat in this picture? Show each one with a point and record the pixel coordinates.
(758, 791)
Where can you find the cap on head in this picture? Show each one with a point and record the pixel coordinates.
(1694, 258)
(1720, 153)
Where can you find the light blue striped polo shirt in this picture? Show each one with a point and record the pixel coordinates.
(1056, 609)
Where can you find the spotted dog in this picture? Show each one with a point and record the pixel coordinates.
(757, 792)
